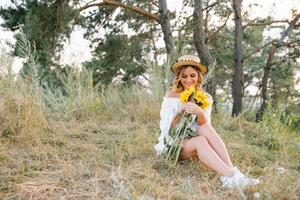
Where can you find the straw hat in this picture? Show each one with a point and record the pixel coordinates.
(189, 60)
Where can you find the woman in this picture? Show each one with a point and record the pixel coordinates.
(208, 147)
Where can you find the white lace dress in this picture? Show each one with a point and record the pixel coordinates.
(168, 110)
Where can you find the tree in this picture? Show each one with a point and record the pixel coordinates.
(45, 24)
(199, 39)
(268, 67)
(118, 57)
(166, 27)
(48, 22)
(238, 76)
(163, 19)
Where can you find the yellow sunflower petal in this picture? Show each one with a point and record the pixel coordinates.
(184, 97)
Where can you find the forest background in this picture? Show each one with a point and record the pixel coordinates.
(60, 121)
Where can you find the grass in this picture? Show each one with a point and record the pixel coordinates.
(99, 145)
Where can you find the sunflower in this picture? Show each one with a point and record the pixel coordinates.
(184, 97)
(199, 97)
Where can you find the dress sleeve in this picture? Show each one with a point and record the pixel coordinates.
(167, 112)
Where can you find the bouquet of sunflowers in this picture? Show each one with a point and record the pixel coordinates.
(183, 129)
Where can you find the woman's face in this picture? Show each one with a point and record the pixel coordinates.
(189, 77)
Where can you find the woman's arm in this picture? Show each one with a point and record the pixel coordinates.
(196, 110)
(201, 119)
(177, 118)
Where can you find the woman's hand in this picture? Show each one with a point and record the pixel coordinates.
(181, 108)
(193, 108)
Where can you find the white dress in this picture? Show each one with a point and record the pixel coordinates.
(168, 110)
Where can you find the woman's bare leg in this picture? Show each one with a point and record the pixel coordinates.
(199, 146)
(215, 142)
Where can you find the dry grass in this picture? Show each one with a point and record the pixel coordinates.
(92, 145)
(98, 159)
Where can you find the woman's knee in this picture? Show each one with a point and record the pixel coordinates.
(201, 141)
(204, 130)
(192, 146)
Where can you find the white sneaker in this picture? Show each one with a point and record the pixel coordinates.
(238, 180)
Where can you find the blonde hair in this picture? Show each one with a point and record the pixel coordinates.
(177, 85)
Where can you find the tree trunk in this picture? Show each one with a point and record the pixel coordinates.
(164, 21)
(264, 83)
(202, 50)
(268, 67)
(237, 87)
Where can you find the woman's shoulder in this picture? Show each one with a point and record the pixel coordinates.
(172, 94)
(171, 98)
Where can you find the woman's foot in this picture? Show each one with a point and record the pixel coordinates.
(238, 180)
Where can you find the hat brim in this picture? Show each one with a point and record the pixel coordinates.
(178, 64)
